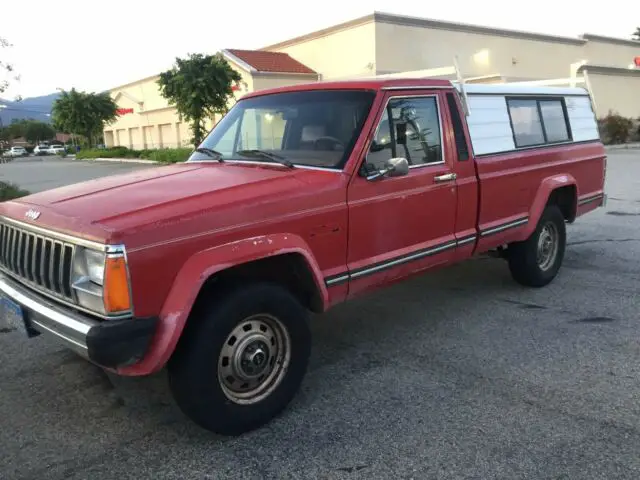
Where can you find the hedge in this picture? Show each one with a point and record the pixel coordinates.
(164, 155)
(9, 191)
(616, 129)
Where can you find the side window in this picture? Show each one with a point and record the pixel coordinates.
(554, 121)
(527, 126)
(458, 129)
(538, 122)
(410, 128)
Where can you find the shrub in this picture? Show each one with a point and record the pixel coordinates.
(164, 155)
(615, 128)
(113, 152)
(167, 155)
(10, 190)
(635, 136)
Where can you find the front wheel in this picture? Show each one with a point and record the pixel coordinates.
(536, 261)
(242, 359)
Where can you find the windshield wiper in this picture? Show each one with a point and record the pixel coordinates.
(210, 153)
(267, 155)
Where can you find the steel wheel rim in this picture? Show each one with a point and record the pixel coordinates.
(547, 246)
(254, 359)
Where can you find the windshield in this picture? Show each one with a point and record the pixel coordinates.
(314, 128)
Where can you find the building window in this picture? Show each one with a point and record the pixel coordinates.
(421, 144)
(538, 121)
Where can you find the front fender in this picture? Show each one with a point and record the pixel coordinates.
(196, 270)
(541, 198)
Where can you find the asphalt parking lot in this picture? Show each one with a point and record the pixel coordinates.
(43, 173)
(456, 374)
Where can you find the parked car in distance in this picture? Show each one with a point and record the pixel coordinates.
(56, 149)
(300, 198)
(16, 152)
(41, 150)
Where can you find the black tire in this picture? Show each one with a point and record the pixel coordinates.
(523, 256)
(197, 370)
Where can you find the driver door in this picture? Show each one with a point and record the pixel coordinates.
(400, 225)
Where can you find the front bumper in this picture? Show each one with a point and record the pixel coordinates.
(108, 343)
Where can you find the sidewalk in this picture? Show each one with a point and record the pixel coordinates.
(117, 160)
(624, 146)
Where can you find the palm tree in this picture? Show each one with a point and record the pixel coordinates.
(636, 35)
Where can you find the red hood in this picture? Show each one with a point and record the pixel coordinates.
(107, 208)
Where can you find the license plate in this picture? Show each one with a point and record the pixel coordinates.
(13, 315)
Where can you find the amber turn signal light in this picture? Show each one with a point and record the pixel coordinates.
(116, 286)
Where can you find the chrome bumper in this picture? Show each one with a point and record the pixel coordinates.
(47, 317)
(109, 343)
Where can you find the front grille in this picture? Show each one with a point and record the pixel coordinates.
(40, 261)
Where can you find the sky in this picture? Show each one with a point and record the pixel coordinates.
(68, 43)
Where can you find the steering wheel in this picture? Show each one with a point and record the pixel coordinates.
(332, 140)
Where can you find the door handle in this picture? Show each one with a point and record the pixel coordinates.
(447, 177)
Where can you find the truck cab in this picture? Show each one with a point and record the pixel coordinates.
(300, 198)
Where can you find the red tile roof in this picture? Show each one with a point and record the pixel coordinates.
(276, 62)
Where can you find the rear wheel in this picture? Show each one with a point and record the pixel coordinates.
(536, 261)
(242, 359)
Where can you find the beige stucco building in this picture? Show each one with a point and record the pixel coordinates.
(381, 43)
(146, 120)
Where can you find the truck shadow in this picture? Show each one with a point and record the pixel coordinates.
(364, 324)
(353, 336)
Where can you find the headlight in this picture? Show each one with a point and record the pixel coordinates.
(101, 281)
(94, 262)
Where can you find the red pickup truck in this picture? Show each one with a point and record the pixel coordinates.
(300, 198)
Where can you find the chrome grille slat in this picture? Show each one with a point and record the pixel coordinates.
(57, 266)
(10, 253)
(34, 257)
(20, 256)
(3, 247)
(27, 256)
(14, 250)
(48, 252)
(40, 261)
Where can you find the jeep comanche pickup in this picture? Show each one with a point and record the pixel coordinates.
(299, 198)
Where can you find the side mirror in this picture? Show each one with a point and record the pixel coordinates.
(394, 167)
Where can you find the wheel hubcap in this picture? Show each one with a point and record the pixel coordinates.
(547, 246)
(254, 359)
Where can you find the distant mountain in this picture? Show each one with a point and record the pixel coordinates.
(35, 108)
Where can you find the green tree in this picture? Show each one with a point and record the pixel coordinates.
(5, 134)
(17, 128)
(36, 131)
(199, 86)
(83, 113)
(636, 35)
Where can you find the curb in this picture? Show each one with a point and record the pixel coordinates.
(624, 146)
(118, 160)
